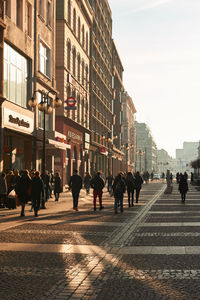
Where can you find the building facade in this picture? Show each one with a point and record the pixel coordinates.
(128, 133)
(74, 20)
(146, 149)
(164, 162)
(101, 93)
(29, 70)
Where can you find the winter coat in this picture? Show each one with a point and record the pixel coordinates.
(97, 183)
(183, 185)
(37, 188)
(130, 183)
(119, 187)
(3, 186)
(75, 183)
(23, 188)
(57, 185)
(138, 182)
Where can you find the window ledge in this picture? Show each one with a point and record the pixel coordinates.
(41, 18)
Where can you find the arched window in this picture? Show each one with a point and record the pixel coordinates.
(68, 54)
(79, 29)
(87, 42)
(83, 36)
(86, 77)
(74, 21)
(69, 12)
(83, 73)
(79, 67)
(74, 61)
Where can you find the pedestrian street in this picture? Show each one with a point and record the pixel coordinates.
(150, 251)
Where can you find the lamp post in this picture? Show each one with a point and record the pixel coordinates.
(46, 106)
(140, 153)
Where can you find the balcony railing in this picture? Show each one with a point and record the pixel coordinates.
(2, 9)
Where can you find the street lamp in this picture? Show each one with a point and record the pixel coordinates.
(46, 106)
(140, 153)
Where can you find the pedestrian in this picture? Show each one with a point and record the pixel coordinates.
(183, 187)
(75, 185)
(23, 190)
(109, 180)
(51, 183)
(138, 185)
(87, 180)
(9, 179)
(152, 176)
(97, 183)
(186, 175)
(46, 181)
(130, 183)
(57, 186)
(119, 189)
(177, 177)
(3, 190)
(192, 178)
(37, 190)
(171, 178)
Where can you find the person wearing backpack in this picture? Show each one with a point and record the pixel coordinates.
(130, 183)
(119, 189)
(97, 183)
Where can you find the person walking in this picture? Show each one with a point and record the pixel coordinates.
(3, 190)
(22, 189)
(87, 180)
(57, 186)
(119, 189)
(75, 185)
(37, 189)
(97, 183)
(109, 180)
(130, 183)
(183, 187)
(138, 185)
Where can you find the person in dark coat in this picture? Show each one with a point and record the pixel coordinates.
(138, 185)
(22, 189)
(119, 189)
(3, 190)
(109, 180)
(183, 187)
(97, 183)
(87, 180)
(75, 185)
(57, 186)
(130, 183)
(46, 180)
(37, 190)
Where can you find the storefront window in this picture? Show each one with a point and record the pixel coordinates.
(41, 117)
(15, 76)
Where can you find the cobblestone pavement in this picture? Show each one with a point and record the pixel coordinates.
(151, 251)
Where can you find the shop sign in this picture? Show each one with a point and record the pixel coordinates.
(17, 121)
(61, 140)
(74, 136)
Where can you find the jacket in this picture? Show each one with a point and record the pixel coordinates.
(3, 186)
(37, 188)
(119, 187)
(183, 185)
(75, 183)
(97, 183)
(138, 182)
(57, 184)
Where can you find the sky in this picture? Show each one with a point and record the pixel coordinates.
(159, 45)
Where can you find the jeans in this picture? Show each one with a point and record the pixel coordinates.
(137, 195)
(183, 196)
(130, 198)
(75, 198)
(117, 200)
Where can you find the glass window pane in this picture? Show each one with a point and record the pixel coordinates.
(12, 82)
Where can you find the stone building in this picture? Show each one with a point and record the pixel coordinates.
(29, 70)
(101, 94)
(128, 133)
(74, 20)
(146, 149)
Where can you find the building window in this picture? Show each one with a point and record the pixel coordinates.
(79, 29)
(45, 61)
(74, 21)
(15, 76)
(29, 18)
(19, 13)
(74, 61)
(79, 68)
(83, 72)
(41, 117)
(68, 55)
(8, 8)
(69, 12)
(49, 14)
(83, 36)
(41, 8)
(86, 42)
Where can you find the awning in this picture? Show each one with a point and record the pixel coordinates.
(59, 145)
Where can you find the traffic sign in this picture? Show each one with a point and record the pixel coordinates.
(71, 101)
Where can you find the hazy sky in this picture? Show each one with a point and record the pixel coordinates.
(159, 45)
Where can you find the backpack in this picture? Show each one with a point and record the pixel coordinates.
(118, 188)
